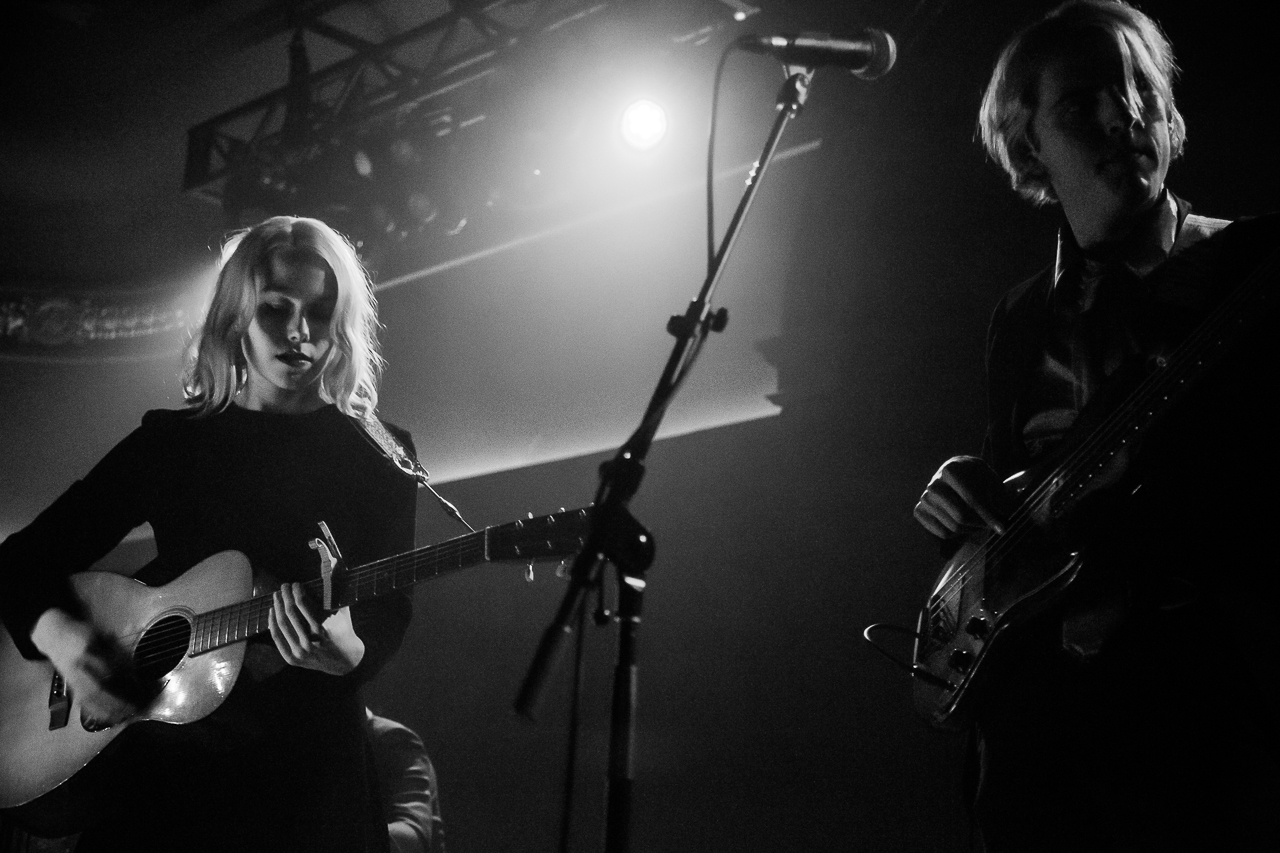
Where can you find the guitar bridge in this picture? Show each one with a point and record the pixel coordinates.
(940, 626)
(59, 702)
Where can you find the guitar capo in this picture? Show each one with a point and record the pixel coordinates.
(330, 563)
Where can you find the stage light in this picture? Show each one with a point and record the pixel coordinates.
(362, 163)
(422, 208)
(644, 123)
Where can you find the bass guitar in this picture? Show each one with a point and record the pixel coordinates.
(188, 638)
(995, 582)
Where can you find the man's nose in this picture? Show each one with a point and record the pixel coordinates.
(1116, 113)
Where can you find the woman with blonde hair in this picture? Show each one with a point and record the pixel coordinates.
(348, 378)
(281, 385)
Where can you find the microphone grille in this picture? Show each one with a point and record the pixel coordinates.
(884, 54)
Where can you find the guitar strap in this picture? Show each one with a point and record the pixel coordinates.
(403, 458)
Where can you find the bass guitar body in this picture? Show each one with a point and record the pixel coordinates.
(42, 739)
(988, 587)
(996, 582)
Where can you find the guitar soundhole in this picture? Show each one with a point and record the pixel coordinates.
(162, 647)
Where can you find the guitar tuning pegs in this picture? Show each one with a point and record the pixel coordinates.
(528, 572)
(529, 515)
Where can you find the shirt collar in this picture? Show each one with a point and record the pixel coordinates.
(1070, 257)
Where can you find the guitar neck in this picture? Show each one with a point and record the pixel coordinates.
(1169, 382)
(225, 625)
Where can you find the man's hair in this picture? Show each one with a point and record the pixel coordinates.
(349, 373)
(1010, 102)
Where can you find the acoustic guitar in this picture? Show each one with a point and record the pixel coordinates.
(187, 638)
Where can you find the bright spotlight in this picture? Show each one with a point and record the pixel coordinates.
(644, 123)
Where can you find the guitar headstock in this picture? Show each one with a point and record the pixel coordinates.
(540, 537)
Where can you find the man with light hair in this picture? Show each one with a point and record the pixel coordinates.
(1127, 716)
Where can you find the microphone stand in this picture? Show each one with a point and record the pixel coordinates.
(615, 536)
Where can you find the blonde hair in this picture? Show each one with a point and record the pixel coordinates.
(216, 367)
(1009, 105)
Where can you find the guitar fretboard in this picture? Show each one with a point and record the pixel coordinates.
(1131, 419)
(233, 623)
(1176, 374)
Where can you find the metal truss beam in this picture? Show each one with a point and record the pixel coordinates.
(381, 82)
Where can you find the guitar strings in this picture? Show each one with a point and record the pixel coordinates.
(256, 606)
(224, 625)
(1156, 388)
(1162, 387)
(1086, 453)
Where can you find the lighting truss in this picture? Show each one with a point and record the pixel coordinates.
(384, 83)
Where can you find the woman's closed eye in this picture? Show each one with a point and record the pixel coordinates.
(275, 308)
(320, 314)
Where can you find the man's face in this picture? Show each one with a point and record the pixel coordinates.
(1105, 161)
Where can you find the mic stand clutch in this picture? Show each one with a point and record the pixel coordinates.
(616, 537)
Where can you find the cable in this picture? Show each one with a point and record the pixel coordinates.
(711, 151)
(897, 629)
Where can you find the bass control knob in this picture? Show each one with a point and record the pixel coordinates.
(978, 626)
(960, 660)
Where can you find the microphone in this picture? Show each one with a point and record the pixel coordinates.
(869, 54)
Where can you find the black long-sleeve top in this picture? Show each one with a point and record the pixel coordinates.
(1159, 739)
(282, 763)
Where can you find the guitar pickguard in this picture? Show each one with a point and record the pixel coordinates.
(982, 592)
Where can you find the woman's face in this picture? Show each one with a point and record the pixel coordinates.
(289, 337)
